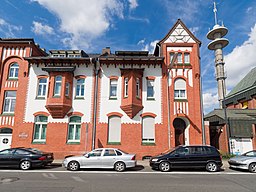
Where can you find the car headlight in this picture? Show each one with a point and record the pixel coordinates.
(154, 160)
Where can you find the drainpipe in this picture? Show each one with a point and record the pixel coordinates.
(97, 70)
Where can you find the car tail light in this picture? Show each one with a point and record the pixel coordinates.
(42, 158)
(133, 158)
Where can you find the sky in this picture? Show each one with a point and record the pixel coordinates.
(91, 25)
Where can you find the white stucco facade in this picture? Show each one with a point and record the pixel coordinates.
(33, 104)
(150, 106)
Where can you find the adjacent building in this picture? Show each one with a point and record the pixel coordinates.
(233, 129)
(70, 101)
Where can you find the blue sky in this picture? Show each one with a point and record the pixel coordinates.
(137, 25)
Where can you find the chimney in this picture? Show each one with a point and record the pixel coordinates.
(106, 51)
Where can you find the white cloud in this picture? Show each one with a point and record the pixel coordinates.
(148, 46)
(84, 20)
(40, 29)
(210, 101)
(133, 4)
(194, 30)
(8, 29)
(241, 60)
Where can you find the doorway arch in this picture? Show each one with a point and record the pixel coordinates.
(179, 129)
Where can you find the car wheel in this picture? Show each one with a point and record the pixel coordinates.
(211, 167)
(165, 166)
(25, 165)
(73, 166)
(252, 167)
(119, 166)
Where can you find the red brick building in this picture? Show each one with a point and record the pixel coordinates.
(70, 101)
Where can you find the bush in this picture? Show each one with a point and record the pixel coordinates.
(226, 155)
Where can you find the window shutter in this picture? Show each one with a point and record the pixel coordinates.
(114, 130)
(148, 131)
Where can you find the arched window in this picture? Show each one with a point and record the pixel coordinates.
(80, 86)
(74, 129)
(114, 129)
(148, 129)
(40, 128)
(41, 90)
(14, 71)
(57, 87)
(180, 89)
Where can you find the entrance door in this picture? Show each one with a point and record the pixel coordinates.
(179, 127)
(5, 138)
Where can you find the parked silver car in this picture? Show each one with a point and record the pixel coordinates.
(101, 158)
(245, 161)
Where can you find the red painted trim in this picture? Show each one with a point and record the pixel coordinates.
(114, 114)
(150, 78)
(41, 113)
(80, 77)
(75, 113)
(42, 76)
(148, 114)
(113, 77)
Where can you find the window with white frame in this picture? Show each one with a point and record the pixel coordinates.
(186, 58)
(150, 89)
(13, 71)
(137, 87)
(148, 129)
(41, 89)
(40, 128)
(114, 129)
(126, 87)
(179, 58)
(180, 89)
(80, 86)
(9, 101)
(67, 88)
(113, 88)
(74, 129)
(57, 86)
(171, 56)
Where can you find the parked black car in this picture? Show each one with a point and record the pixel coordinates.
(24, 158)
(207, 157)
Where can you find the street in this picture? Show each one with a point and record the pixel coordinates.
(58, 179)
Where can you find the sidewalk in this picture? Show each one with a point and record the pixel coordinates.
(145, 163)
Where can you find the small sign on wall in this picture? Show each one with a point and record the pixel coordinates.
(23, 135)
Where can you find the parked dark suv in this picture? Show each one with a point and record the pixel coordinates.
(207, 157)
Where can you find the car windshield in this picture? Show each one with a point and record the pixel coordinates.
(122, 151)
(35, 150)
(250, 154)
(169, 151)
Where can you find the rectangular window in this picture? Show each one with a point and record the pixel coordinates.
(74, 129)
(42, 85)
(179, 58)
(57, 87)
(137, 87)
(80, 86)
(126, 87)
(9, 101)
(186, 58)
(40, 129)
(150, 89)
(67, 87)
(148, 130)
(113, 88)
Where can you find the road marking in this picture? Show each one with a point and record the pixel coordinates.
(79, 179)
(127, 172)
(49, 175)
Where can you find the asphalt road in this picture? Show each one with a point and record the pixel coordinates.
(110, 181)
